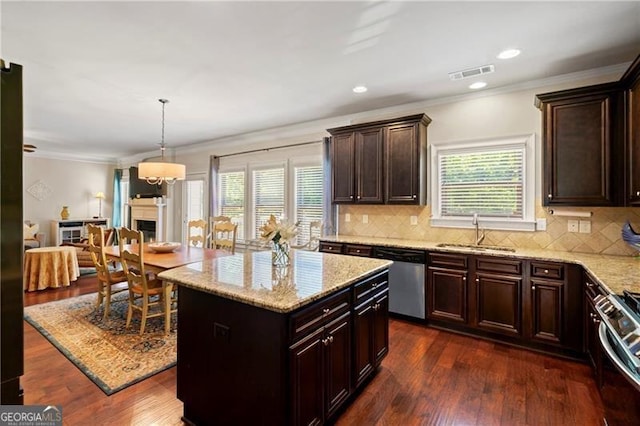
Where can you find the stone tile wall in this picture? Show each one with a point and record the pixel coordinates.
(394, 222)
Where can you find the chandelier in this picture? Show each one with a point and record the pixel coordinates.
(158, 172)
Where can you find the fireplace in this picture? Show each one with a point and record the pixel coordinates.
(148, 228)
(148, 216)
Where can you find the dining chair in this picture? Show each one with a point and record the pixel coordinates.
(213, 220)
(224, 236)
(129, 236)
(106, 277)
(315, 232)
(145, 294)
(197, 233)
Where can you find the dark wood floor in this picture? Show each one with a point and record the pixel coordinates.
(430, 377)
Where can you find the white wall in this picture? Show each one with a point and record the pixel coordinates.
(72, 183)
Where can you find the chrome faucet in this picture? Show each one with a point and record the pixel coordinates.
(474, 222)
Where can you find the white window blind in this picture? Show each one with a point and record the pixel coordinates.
(487, 182)
(231, 202)
(195, 199)
(268, 196)
(308, 199)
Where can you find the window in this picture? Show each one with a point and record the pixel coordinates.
(308, 199)
(491, 178)
(194, 199)
(231, 203)
(268, 196)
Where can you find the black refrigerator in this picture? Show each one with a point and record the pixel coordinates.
(11, 240)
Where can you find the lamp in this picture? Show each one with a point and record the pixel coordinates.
(158, 172)
(100, 197)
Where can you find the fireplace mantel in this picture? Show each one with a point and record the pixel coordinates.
(152, 210)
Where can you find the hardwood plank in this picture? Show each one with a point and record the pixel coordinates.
(430, 377)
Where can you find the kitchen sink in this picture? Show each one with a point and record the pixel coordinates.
(475, 247)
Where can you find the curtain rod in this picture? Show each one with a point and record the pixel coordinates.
(267, 149)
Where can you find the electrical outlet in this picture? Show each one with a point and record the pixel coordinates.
(414, 220)
(365, 218)
(541, 224)
(585, 226)
(347, 217)
(573, 225)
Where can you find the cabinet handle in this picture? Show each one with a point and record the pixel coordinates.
(374, 285)
(351, 197)
(637, 193)
(325, 311)
(325, 342)
(596, 320)
(359, 197)
(549, 196)
(588, 284)
(478, 280)
(357, 250)
(330, 339)
(546, 271)
(533, 287)
(414, 196)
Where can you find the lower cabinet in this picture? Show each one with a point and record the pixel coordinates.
(321, 371)
(447, 287)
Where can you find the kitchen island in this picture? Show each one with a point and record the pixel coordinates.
(259, 344)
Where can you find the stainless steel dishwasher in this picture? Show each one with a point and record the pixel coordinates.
(406, 280)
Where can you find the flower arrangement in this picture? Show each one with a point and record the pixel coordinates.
(280, 235)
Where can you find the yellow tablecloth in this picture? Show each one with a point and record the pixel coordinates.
(46, 267)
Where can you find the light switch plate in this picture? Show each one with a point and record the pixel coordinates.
(541, 224)
(347, 217)
(585, 226)
(572, 225)
(365, 218)
(414, 220)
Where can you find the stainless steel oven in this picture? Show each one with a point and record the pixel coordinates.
(619, 334)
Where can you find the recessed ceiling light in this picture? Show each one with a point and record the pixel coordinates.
(508, 53)
(359, 89)
(477, 85)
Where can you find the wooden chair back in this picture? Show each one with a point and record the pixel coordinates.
(132, 260)
(129, 236)
(197, 233)
(315, 232)
(224, 236)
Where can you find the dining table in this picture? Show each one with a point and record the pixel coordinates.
(157, 262)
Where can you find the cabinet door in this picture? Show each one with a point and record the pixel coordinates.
(380, 327)
(402, 161)
(342, 164)
(546, 310)
(633, 132)
(447, 294)
(307, 380)
(363, 323)
(498, 303)
(577, 151)
(368, 171)
(337, 343)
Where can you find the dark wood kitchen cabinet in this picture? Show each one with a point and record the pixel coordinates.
(447, 288)
(591, 323)
(370, 326)
(581, 146)
(631, 81)
(498, 295)
(357, 167)
(380, 162)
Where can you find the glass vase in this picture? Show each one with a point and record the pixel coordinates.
(280, 254)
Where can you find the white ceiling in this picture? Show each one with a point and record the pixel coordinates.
(93, 71)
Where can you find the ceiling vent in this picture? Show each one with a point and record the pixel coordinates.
(471, 72)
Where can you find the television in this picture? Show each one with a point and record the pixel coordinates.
(139, 188)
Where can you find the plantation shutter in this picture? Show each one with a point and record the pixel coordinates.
(232, 199)
(308, 199)
(488, 182)
(268, 195)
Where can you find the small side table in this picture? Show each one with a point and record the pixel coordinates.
(49, 267)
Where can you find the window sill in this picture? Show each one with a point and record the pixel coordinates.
(485, 223)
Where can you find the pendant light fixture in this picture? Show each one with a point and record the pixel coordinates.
(158, 172)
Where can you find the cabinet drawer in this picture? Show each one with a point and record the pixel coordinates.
(506, 266)
(357, 250)
(371, 287)
(591, 287)
(447, 260)
(331, 247)
(547, 270)
(320, 313)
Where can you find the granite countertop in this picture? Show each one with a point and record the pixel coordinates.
(250, 278)
(615, 273)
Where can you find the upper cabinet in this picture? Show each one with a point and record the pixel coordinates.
(631, 81)
(380, 162)
(589, 148)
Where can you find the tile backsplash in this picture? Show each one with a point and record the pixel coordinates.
(389, 221)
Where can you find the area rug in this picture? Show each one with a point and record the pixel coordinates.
(112, 356)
